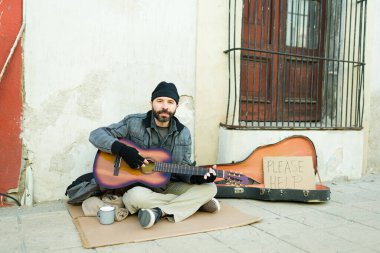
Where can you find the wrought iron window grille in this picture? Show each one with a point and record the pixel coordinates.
(296, 64)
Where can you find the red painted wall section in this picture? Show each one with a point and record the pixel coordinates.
(10, 95)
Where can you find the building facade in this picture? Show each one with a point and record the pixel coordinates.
(250, 73)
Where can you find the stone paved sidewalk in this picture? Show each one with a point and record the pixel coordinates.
(349, 222)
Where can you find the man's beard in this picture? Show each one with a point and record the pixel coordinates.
(163, 119)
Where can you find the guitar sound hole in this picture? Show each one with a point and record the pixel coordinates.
(148, 168)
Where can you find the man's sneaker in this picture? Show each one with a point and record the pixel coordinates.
(149, 217)
(212, 206)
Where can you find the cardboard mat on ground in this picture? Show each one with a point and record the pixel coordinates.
(93, 234)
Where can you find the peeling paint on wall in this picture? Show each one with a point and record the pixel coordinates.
(56, 135)
(89, 96)
(83, 99)
(185, 114)
(186, 110)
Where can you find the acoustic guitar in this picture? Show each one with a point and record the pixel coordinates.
(112, 172)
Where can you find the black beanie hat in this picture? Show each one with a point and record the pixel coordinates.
(165, 89)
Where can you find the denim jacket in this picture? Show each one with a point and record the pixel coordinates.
(141, 130)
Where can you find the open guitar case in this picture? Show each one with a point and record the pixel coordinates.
(252, 167)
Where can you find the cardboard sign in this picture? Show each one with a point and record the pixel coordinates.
(289, 172)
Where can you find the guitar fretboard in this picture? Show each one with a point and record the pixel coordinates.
(184, 169)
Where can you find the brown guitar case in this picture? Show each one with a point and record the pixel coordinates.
(252, 167)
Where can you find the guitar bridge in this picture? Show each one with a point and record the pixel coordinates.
(116, 165)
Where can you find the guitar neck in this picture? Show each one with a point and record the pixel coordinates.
(184, 169)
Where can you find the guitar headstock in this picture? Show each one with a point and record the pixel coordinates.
(235, 178)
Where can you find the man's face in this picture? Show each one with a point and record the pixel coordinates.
(164, 108)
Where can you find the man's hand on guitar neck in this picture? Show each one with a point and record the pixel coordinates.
(209, 177)
(129, 154)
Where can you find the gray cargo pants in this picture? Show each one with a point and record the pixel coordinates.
(179, 199)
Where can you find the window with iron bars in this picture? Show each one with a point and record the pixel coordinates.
(296, 64)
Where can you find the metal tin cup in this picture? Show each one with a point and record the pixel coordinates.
(106, 215)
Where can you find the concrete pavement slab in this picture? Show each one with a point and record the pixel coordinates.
(146, 247)
(315, 240)
(202, 242)
(318, 219)
(252, 239)
(357, 233)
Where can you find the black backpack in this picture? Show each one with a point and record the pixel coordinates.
(82, 188)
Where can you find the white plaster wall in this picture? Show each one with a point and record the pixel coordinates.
(339, 153)
(88, 63)
(211, 77)
(372, 83)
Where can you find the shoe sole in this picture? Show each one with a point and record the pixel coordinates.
(216, 204)
(146, 218)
